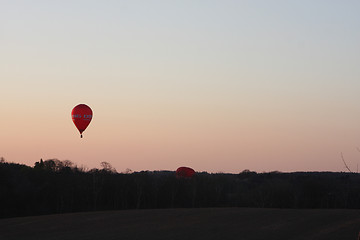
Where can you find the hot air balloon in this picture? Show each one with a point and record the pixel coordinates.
(184, 172)
(81, 116)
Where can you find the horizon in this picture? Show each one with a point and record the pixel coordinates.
(83, 168)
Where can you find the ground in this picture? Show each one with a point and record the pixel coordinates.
(173, 224)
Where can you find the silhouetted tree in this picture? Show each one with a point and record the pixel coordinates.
(107, 167)
(54, 186)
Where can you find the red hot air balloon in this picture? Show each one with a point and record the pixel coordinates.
(184, 172)
(81, 116)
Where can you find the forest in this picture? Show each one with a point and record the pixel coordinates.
(53, 186)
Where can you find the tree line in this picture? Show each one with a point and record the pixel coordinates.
(55, 186)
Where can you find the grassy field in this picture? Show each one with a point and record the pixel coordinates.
(172, 224)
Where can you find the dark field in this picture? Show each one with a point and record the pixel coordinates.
(203, 223)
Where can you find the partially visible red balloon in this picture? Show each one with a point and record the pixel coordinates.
(81, 116)
(185, 172)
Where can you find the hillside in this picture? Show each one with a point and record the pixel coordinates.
(172, 224)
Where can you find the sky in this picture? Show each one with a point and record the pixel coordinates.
(219, 86)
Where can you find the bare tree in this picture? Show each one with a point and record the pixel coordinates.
(68, 163)
(346, 166)
(107, 167)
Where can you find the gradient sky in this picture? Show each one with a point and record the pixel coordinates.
(220, 86)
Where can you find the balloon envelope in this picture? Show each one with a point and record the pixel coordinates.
(184, 172)
(81, 116)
